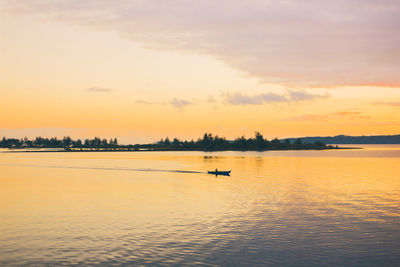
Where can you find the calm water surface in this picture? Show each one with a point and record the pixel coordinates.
(296, 208)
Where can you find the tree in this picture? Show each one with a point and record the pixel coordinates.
(298, 141)
(207, 141)
(78, 143)
(176, 142)
(167, 142)
(67, 141)
(38, 141)
(3, 142)
(96, 142)
(259, 140)
(241, 143)
(287, 142)
(104, 142)
(319, 144)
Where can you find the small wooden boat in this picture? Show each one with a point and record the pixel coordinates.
(227, 173)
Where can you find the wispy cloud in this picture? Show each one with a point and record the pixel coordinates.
(303, 95)
(98, 90)
(237, 98)
(240, 99)
(340, 115)
(302, 43)
(290, 96)
(175, 102)
(389, 103)
(180, 103)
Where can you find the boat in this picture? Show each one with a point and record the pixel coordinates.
(226, 173)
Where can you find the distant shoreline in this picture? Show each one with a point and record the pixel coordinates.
(208, 143)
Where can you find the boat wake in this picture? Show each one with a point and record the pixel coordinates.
(101, 168)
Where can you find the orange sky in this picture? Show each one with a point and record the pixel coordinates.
(139, 74)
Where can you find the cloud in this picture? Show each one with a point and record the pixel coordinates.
(298, 43)
(180, 103)
(291, 96)
(302, 95)
(98, 90)
(340, 115)
(240, 99)
(394, 104)
(175, 102)
(143, 102)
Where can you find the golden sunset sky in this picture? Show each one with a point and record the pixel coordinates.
(144, 70)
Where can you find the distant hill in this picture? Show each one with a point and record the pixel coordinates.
(346, 139)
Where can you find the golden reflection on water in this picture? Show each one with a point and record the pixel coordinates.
(59, 207)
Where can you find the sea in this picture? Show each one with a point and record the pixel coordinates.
(277, 208)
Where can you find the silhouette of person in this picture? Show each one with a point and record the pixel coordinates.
(216, 170)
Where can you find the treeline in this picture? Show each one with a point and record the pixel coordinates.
(207, 143)
(66, 143)
(216, 143)
(346, 139)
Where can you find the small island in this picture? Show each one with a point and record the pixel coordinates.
(209, 142)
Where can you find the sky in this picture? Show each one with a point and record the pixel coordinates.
(141, 70)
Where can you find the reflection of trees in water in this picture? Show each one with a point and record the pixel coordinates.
(259, 162)
(209, 158)
(237, 162)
